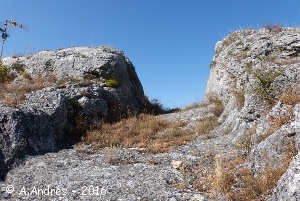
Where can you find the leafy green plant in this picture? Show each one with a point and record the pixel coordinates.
(4, 73)
(112, 83)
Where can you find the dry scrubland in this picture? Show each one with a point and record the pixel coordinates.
(240, 143)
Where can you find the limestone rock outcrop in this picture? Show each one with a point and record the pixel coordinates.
(256, 76)
(80, 94)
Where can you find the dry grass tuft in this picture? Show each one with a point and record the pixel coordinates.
(245, 140)
(277, 28)
(240, 183)
(153, 134)
(206, 125)
(13, 94)
(283, 119)
(290, 98)
(223, 178)
(192, 106)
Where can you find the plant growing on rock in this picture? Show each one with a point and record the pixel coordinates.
(25, 74)
(274, 27)
(112, 83)
(264, 85)
(4, 73)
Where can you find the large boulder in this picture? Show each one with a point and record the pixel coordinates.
(80, 95)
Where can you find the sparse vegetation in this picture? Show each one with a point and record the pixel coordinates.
(290, 97)
(264, 86)
(112, 83)
(13, 94)
(218, 108)
(66, 80)
(4, 73)
(192, 106)
(25, 74)
(274, 27)
(19, 67)
(240, 98)
(238, 182)
(206, 125)
(212, 64)
(153, 134)
(245, 140)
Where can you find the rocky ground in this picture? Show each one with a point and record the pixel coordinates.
(83, 173)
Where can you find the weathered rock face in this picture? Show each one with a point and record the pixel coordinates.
(256, 76)
(46, 117)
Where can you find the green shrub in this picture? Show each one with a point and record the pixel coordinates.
(4, 73)
(112, 83)
(264, 86)
(18, 67)
(25, 74)
(212, 64)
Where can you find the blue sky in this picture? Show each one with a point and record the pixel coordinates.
(170, 42)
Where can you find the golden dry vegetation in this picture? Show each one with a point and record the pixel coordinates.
(152, 134)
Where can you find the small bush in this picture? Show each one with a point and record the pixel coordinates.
(218, 108)
(112, 83)
(264, 86)
(25, 74)
(155, 107)
(274, 27)
(212, 64)
(4, 73)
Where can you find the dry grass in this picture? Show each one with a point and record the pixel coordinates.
(290, 98)
(218, 108)
(240, 183)
(222, 179)
(205, 126)
(245, 140)
(277, 122)
(153, 134)
(251, 187)
(13, 94)
(277, 28)
(192, 106)
(240, 98)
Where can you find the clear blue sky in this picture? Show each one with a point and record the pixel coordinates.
(170, 42)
